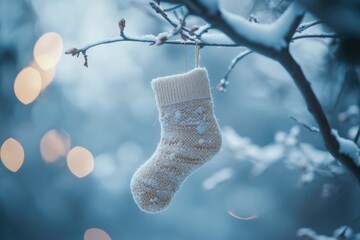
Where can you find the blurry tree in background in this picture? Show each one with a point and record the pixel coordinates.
(71, 137)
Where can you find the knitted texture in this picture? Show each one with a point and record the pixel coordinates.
(190, 136)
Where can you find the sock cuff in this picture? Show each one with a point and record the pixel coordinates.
(181, 87)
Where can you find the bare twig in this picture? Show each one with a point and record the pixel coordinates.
(203, 29)
(173, 23)
(173, 8)
(224, 82)
(307, 25)
(305, 125)
(356, 139)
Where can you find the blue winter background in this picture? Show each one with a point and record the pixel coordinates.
(109, 108)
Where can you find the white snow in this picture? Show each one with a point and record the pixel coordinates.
(148, 37)
(161, 37)
(216, 38)
(353, 131)
(301, 156)
(347, 147)
(201, 141)
(272, 35)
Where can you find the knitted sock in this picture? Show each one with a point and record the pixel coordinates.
(190, 136)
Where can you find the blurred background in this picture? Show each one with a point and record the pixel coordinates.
(71, 137)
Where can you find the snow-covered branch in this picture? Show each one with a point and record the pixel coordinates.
(274, 44)
(274, 37)
(207, 40)
(304, 157)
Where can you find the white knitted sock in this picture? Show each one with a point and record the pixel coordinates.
(190, 136)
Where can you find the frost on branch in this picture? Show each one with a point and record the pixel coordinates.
(347, 147)
(286, 147)
(274, 36)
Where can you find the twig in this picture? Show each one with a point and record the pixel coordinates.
(173, 8)
(305, 125)
(356, 139)
(162, 13)
(307, 25)
(323, 35)
(224, 82)
(203, 29)
(152, 41)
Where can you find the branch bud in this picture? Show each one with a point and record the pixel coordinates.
(221, 87)
(161, 38)
(253, 18)
(72, 51)
(194, 28)
(122, 25)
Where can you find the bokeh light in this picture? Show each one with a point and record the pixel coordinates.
(12, 154)
(48, 50)
(47, 76)
(27, 85)
(80, 161)
(54, 144)
(96, 234)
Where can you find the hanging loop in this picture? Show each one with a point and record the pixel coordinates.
(197, 50)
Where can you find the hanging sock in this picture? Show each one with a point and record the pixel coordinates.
(190, 137)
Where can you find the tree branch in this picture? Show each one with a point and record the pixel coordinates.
(314, 107)
(208, 40)
(356, 139)
(286, 25)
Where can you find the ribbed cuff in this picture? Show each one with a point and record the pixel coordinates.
(182, 87)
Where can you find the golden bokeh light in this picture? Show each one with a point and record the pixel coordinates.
(48, 50)
(27, 85)
(80, 161)
(12, 154)
(47, 76)
(96, 234)
(54, 145)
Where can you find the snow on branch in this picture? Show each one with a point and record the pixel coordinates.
(347, 147)
(275, 36)
(305, 158)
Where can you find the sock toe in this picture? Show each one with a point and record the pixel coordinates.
(149, 198)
